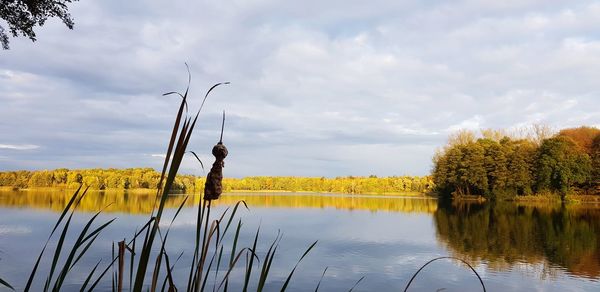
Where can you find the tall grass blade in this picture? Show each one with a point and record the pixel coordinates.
(170, 271)
(69, 263)
(207, 271)
(202, 259)
(113, 269)
(249, 270)
(89, 277)
(440, 258)
(157, 265)
(198, 158)
(356, 284)
(287, 281)
(5, 284)
(146, 248)
(267, 264)
(320, 280)
(231, 266)
(131, 262)
(169, 275)
(218, 266)
(62, 215)
(234, 246)
(214, 229)
(66, 209)
(199, 217)
(235, 208)
(60, 243)
(110, 265)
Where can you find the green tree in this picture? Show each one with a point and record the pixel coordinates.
(561, 165)
(472, 172)
(521, 157)
(23, 16)
(496, 165)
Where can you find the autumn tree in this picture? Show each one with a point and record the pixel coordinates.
(582, 136)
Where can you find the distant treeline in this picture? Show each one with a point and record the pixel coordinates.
(148, 178)
(498, 166)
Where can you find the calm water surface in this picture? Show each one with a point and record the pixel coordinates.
(383, 239)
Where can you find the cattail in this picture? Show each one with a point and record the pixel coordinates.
(214, 180)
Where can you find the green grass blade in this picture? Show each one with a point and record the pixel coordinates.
(199, 217)
(34, 270)
(169, 275)
(157, 265)
(287, 281)
(233, 248)
(231, 266)
(62, 215)
(84, 250)
(171, 142)
(102, 275)
(174, 166)
(113, 270)
(218, 265)
(89, 277)
(89, 241)
(267, 264)
(235, 240)
(66, 209)
(178, 152)
(356, 284)
(249, 270)
(207, 272)
(5, 284)
(61, 241)
(211, 89)
(78, 243)
(319, 283)
(170, 271)
(198, 158)
(233, 215)
(131, 262)
(57, 252)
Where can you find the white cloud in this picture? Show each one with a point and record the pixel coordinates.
(310, 80)
(19, 147)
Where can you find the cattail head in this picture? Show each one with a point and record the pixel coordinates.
(214, 180)
(220, 151)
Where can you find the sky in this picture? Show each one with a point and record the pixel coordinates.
(318, 88)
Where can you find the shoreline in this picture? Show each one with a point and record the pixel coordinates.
(550, 199)
(140, 190)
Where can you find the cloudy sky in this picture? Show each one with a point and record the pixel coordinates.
(318, 88)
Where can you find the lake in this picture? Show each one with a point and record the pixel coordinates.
(514, 247)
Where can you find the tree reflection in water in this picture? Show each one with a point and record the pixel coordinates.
(505, 235)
